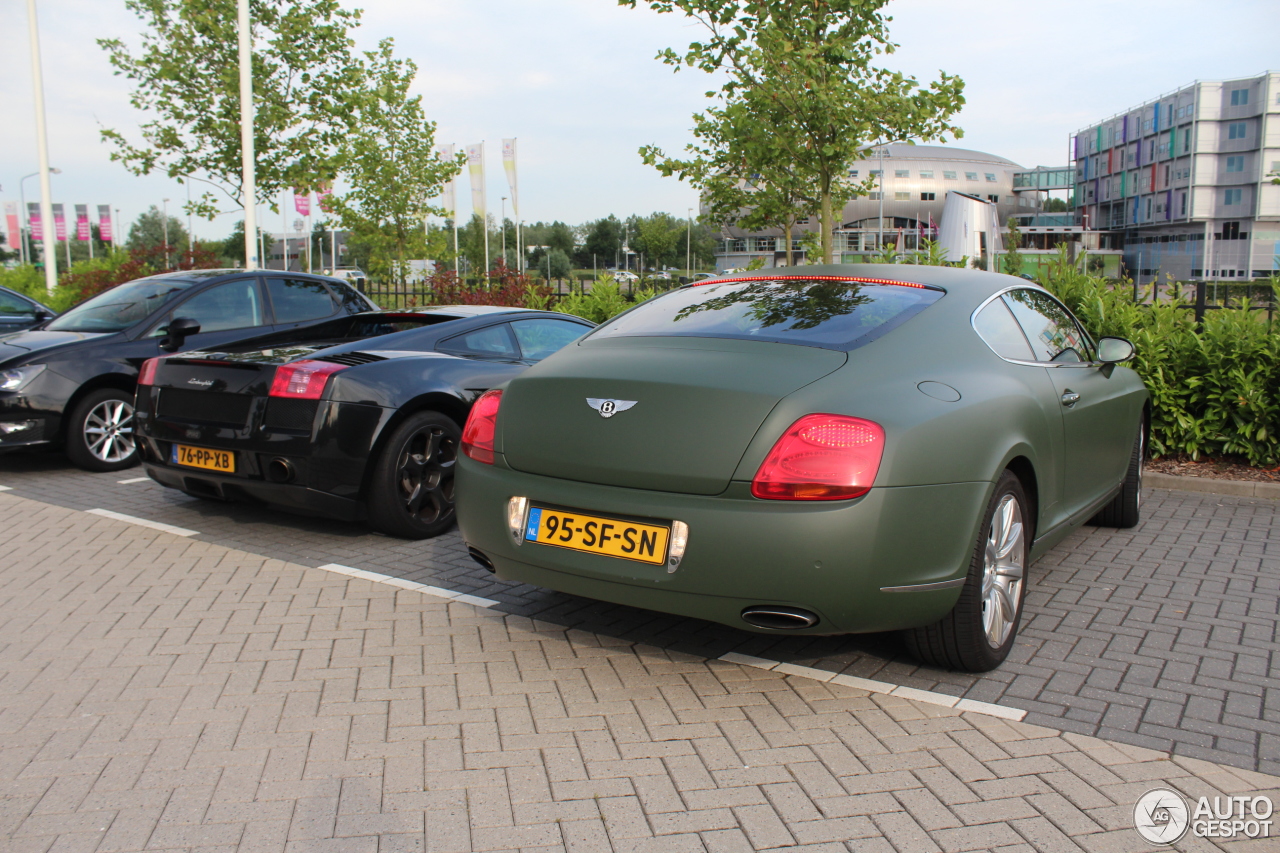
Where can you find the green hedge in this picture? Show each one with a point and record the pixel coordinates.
(1215, 388)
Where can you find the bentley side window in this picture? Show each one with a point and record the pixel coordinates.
(997, 328)
(1050, 328)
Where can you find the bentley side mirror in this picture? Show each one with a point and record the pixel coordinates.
(180, 328)
(1114, 350)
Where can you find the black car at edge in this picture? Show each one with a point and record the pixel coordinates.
(70, 381)
(18, 311)
(357, 419)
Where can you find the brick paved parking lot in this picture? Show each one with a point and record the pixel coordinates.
(1164, 636)
(164, 692)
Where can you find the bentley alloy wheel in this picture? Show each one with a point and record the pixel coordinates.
(1003, 571)
(981, 629)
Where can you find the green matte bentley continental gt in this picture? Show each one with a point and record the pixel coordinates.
(821, 450)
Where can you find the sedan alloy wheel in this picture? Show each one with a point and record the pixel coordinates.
(100, 435)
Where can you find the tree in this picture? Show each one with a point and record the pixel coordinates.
(1011, 263)
(659, 236)
(148, 231)
(603, 242)
(389, 161)
(804, 71)
(741, 178)
(555, 264)
(231, 250)
(305, 81)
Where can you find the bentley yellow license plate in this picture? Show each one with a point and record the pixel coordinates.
(611, 537)
(199, 457)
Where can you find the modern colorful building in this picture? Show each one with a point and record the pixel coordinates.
(1184, 181)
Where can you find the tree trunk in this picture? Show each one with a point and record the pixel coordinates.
(827, 248)
(787, 232)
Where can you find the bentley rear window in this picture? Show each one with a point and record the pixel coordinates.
(834, 314)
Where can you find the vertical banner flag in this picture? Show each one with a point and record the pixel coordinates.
(59, 222)
(302, 202)
(83, 231)
(322, 193)
(33, 219)
(475, 162)
(448, 194)
(509, 164)
(12, 225)
(104, 224)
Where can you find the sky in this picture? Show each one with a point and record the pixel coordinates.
(576, 82)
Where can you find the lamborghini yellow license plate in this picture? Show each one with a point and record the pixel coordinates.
(199, 457)
(611, 537)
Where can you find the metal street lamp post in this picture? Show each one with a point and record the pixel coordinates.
(42, 149)
(248, 182)
(164, 213)
(504, 230)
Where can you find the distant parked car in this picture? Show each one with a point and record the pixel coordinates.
(625, 276)
(659, 276)
(70, 382)
(357, 419)
(18, 312)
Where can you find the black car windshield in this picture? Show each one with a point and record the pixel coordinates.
(834, 314)
(120, 307)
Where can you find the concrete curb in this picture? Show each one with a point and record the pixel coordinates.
(1235, 488)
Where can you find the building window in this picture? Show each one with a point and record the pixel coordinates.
(875, 173)
(902, 196)
(926, 173)
(853, 173)
(991, 179)
(1235, 164)
(993, 198)
(1239, 97)
(948, 176)
(1235, 130)
(1231, 196)
(1184, 204)
(1186, 141)
(971, 176)
(902, 173)
(874, 196)
(928, 197)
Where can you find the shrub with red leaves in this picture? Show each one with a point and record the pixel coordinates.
(504, 287)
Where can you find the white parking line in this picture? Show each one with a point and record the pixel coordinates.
(461, 597)
(134, 480)
(929, 696)
(6, 488)
(143, 522)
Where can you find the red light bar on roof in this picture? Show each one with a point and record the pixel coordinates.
(813, 278)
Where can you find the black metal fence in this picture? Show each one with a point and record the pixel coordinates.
(1208, 296)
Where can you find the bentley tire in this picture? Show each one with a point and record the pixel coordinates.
(1125, 508)
(100, 431)
(978, 633)
(411, 490)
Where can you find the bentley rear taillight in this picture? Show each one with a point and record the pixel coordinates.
(303, 380)
(147, 375)
(482, 424)
(821, 458)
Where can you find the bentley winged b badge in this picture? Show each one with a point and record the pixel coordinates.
(608, 408)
